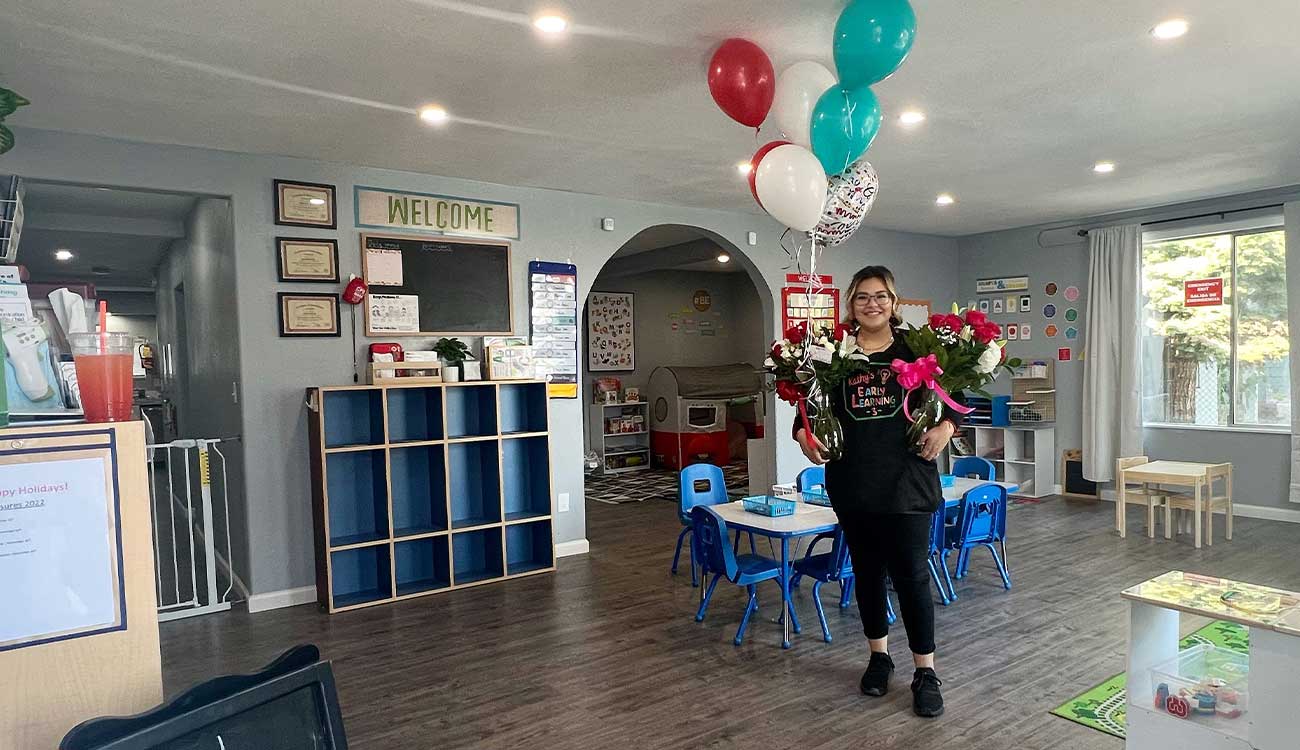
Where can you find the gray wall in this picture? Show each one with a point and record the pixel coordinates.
(139, 326)
(203, 262)
(1260, 460)
(275, 371)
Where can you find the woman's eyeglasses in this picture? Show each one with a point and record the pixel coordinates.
(881, 299)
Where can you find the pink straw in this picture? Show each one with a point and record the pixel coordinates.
(103, 326)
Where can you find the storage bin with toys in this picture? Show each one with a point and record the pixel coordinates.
(1207, 684)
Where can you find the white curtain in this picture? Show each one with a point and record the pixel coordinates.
(1291, 212)
(1112, 405)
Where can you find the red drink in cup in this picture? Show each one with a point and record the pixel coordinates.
(104, 374)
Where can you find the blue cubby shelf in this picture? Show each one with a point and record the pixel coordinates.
(529, 548)
(358, 497)
(414, 414)
(422, 565)
(471, 410)
(419, 487)
(526, 478)
(360, 576)
(523, 408)
(475, 484)
(353, 417)
(476, 556)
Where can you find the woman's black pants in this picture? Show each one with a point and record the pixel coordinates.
(897, 545)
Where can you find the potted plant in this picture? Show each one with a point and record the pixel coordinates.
(452, 352)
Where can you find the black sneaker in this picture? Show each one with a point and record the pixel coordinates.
(875, 681)
(926, 699)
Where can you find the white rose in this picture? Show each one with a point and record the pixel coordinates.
(769, 363)
(989, 359)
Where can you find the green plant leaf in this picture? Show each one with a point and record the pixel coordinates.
(6, 139)
(10, 102)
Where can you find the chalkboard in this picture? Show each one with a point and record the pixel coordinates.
(461, 287)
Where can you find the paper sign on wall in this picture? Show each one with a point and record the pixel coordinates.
(59, 561)
(383, 266)
(553, 309)
(1011, 305)
(1013, 332)
(1203, 292)
(1024, 331)
(997, 305)
(394, 313)
(1063, 354)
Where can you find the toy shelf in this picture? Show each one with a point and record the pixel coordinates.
(471, 411)
(422, 565)
(419, 482)
(525, 478)
(619, 433)
(361, 576)
(425, 488)
(477, 556)
(529, 548)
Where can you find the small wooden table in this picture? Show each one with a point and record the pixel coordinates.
(1182, 473)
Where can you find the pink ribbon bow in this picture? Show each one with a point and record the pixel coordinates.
(923, 372)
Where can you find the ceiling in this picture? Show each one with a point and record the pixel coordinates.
(1022, 97)
(118, 237)
(676, 248)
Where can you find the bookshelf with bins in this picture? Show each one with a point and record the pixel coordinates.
(1021, 440)
(620, 434)
(427, 488)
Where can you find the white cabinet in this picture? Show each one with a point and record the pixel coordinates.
(1023, 454)
(620, 435)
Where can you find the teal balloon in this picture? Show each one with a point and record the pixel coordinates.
(872, 38)
(844, 123)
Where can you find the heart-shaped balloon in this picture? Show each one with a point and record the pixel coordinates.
(849, 197)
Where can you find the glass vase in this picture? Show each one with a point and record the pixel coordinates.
(927, 411)
(826, 426)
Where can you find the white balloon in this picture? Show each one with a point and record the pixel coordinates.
(849, 197)
(797, 90)
(791, 186)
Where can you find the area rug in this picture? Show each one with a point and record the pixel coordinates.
(1105, 706)
(654, 484)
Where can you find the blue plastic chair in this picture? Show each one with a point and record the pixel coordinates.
(981, 515)
(974, 466)
(688, 498)
(830, 567)
(811, 478)
(937, 539)
(712, 546)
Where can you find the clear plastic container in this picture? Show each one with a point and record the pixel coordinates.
(1205, 684)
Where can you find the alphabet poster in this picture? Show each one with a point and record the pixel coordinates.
(611, 335)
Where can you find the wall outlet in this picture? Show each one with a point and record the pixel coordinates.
(562, 500)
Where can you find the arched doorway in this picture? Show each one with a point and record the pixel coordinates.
(680, 297)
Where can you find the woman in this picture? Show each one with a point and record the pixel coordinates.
(885, 494)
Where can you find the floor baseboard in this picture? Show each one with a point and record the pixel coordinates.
(281, 599)
(1264, 512)
(569, 549)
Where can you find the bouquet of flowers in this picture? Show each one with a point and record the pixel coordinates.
(960, 351)
(806, 366)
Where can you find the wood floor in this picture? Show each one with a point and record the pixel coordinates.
(605, 652)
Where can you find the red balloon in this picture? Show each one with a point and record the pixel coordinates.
(742, 81)
(753, 166)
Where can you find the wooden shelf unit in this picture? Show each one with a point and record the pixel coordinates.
(1021, 453)
(422, 488)
(619, 445)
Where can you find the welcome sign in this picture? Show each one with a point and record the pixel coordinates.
(435, 214)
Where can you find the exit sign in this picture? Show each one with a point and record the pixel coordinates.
(1203, 292)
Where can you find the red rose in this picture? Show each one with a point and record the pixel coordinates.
(986, 332)
(954, 322)
(938, 321)
(788, 391)
(794, 334)
(842, 330)
(776, 351)
(975, 317)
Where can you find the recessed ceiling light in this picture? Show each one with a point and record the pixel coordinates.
(64, 255)
(744, 167)
(106, 190)
(316, 201)
(1104, 167)
(433, 114)
(551, 23)
(912, 117)
(724, 258)
(944, 199)
(1171, 29)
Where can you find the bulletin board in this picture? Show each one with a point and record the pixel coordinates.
(914, 312)
(797, 304)
(427, 286)
(611, 332)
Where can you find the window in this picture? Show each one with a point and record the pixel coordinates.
(1216, 353)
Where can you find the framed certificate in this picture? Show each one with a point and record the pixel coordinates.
(304, 204)
(306, 259)
(315, 315)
